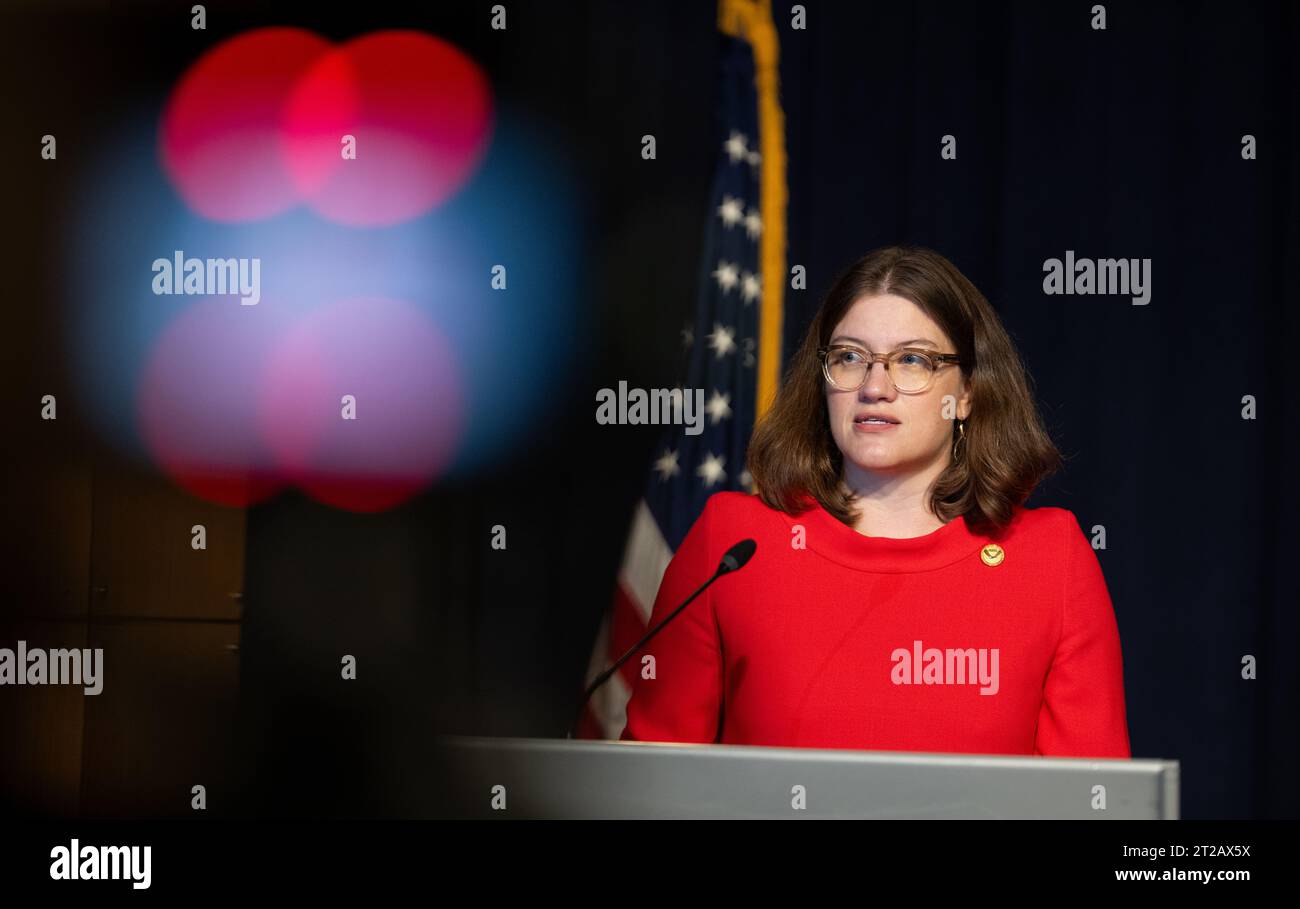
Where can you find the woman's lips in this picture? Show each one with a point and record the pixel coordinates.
(873, 426)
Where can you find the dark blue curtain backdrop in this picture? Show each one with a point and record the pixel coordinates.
(1126, 143)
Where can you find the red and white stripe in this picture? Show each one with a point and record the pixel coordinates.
(645, 559)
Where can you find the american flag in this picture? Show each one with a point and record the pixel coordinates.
(722, 355)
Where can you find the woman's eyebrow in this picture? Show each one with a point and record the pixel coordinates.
(912, 343)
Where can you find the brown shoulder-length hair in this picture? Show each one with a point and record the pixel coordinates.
(1006, 451)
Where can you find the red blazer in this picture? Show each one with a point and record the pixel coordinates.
(832, 639)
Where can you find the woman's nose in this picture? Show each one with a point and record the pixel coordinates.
(878, 383)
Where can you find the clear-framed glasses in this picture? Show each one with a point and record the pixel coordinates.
(911, 369)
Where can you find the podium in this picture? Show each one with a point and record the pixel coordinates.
(566, 778)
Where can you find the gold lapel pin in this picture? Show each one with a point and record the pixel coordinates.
(992, 554)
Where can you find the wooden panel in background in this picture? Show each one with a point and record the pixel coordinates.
(142, 563)
(41, 727)
(46, 539)
(165, 721)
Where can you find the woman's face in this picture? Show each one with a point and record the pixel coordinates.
(921, 435)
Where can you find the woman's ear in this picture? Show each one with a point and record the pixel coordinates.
(964, 399)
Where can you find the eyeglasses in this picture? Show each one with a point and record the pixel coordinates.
(910, 369)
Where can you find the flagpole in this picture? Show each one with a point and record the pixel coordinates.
(751, 21)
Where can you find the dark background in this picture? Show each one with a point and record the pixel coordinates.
(1117, 143)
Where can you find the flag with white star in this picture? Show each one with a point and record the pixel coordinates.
(721, 346)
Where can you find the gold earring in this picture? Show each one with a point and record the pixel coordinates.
(961, 428)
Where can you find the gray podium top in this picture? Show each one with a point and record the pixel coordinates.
(564, 778)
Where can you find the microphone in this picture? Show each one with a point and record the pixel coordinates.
(735, 558)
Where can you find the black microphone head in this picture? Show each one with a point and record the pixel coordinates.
(737, 556)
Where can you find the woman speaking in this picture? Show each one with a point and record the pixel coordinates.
(901, 597)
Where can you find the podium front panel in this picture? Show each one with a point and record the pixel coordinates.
(563, 778)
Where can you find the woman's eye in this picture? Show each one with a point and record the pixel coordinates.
(849, 357)
(912, 359)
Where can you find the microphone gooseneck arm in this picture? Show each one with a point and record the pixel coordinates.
(734, 559)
